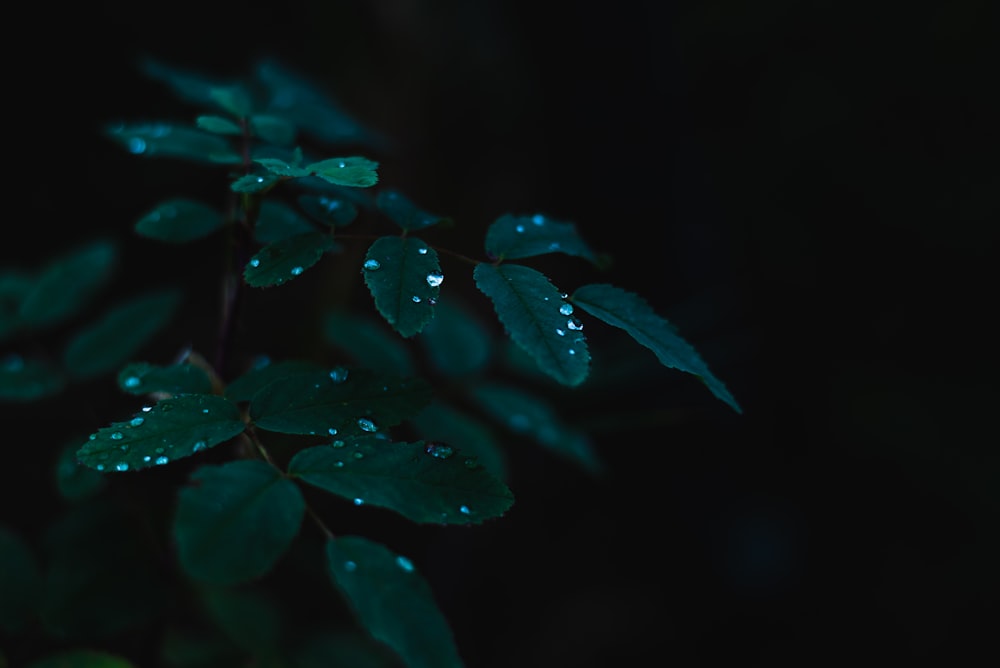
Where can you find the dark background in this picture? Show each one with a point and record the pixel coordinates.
(808, 190)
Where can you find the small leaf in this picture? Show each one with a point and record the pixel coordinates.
(368, 342)
(511, 237)
(352, 171)
(235, 521)
(174, 428)
(329, 210)
(164, 140)
(534, 314)
(402, 211)
(81, 658)
(273, 129)
(244, 387)
(314, 403)
(456, 342)
(282, 168)
(19, 582)
(277, 221)
(76, 482)
(119, 333)
(254, 183)
(145, 378)
(218, 125)
(67, 283)
(179, 220)
(630, 312)
(404, 277)
(28, 379)
(281, 261)
(392, 602)
(443, 422)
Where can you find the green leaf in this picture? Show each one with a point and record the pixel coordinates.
(430, 483)
(402, 211)
(145, 378)
(67, 283)
(119, 333)
(244, 387)
(349, 401)
(273, 129)
(368, 342)
(164, 140)
(218, 125)
(630, 312)
(443, 422)
(28, 379)
(234, 98)
(254, 183)
(329, 210)
(531, 415)
(235, 521)
(76, 482)
(456, 342)
(511, 237)
(392, 601)
(247, 617)
(282, 168)
(281, 261)
(81, 658)
(354, 171)
(19, 582)
(277, 221)
(173, 428)
(179, 220)
(537, 319)
(403, 275)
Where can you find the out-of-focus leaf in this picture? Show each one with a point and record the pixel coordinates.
(402, 211)
(234, 521)
(179, 220)
(276, 221)
(511, 237)
(280, 261)
(184, 648)
(329, 210)
(82, 658)
(343, 648)
(67, 283)
(76, 482)
(404, 277)
(456, 342)
(392, 601)
(165, 140)
(19, 581)
(354, 171)
(233, 98)
(274, 129)
(177, 427)
(445, 423)
(218, 125)
(254, 183)
(28, 379)
(196, 88)
(368, 342)
(247, 617)
(282, 168)
(145, 378)
(244, 387)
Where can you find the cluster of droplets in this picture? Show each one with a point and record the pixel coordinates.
(439, 450)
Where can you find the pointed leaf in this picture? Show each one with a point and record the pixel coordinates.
(119, 333)
(81, 658)
(403, 275)
(164, 140)
(67, 283)
(244, 387)
(402, 211)
(283, 260)
(353, 171)
(630, 312)
(456, 342)
(254, 183)
(177, 427)
(218, 125)
(282, 168)
(19, 581)
(233, 98)
(235, 521)
(273, 129)
(368, 342)
(276, 221)
(29, 379)
(179, 220)
(145, 378)
(329, 210)
(443, 422)
(529, 414)
(392, 601)
(511, 237)
(536, 318)
(315, 403)
(76, 482)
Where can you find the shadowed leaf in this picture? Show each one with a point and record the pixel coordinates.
(511, 237)
(403, 276)
(29, 379)
(443, 422)
(19, 582)
(277, 221)
(179, 220)
(347, 171)
(402, 211)
(67, 283)
(145, 378)
(329, 210)
(165, 140)
(369, 342)
(456, 342)
(281, 261)
(244, 387)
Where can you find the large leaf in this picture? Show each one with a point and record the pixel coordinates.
(392, 601)
(173, 428)
(354, 171)
(166, 140)
(235, 521)
(369, 342)
(28, 379)
(401, 210)
(429, 482)
(443, 422)
(283, 260)
(244, 387)
(119, 333)
(456, 342)
(537, 318)
(347, 401)
(632, 313)
(511, 237)
(179, 220)
(276, 221)
(145, 378)
(19, 581)
(404, 277)
(67, 283)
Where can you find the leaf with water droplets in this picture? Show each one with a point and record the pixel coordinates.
(235, 521)
(244, 387)
(476, 440)
(179, 220)
(511, 237)
(354, 171)
(67, 283)
(457, 343)
(29, 379)
(329, 210)
(312, 403)
(76, 482)
(630, 312)
(145, 378)
(254, 183)
(282, 168)
(528, 306)
(393, 603)
(274, 129)
(174, 428)
(369, 342)
(277, 221)
(281, 261)
(165, 140)
(19, 581)
(81, 658)
(218, 125)
(119, 333)
(401, 210)
(529, 414)
(404, 277)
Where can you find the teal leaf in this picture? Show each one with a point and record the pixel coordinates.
(281, 261)
(282, 168)
(67, 283)
(277, 221)
(145, 378)
(353, 171)
(630, 312)
(531, 415)
(218, 125)
(174, 428)
(329, 210)
(443, 422)
(164, 140)
(19, 582)
(426, 482)
(351, 648)
(196, 88)
(349, 401)
(254, 183)
(369, 342)
(392, 601)
(234, 521)
(247, 617)
(244, 387)
(119, 333)
(511, 237)
(29, 379)
(404, 277)
(73, 481)
(233, 98)
(273, 129)
(81, 658)
(179, 220)
(537, 319)
(402, 211)
(457, 343)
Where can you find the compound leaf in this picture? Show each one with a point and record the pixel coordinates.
(67, 283)
(537, 319)
(354, 171)
(29, 379)
(174, 141)
(283, 260)
(145, 378)
(511, 237)
(402, 211)
(368, 342)
(403, 275)
(276, 221)
(235, 521)
(244, 387)
(179, 220)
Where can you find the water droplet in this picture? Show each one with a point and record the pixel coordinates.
(100, 467)
(564, 295)
(416, 299)
(117, 436)
(566, 309)
(338, 443)
(538, 219)
(439, 450)
(160, 461)
(464, 510)
(338, 375)
(199, 446)
(432, 301)
(350, 566)
(260, 179)
(136, 145)
(571, 351)
(574, 325)
(342, 164)
(332, 431)
(146, 458)
(554, 245)
(136, 421)
(519, 228)
(359, 501)
(372, 265)
(367, 425)
(404, 563)
(338, 464)
(121, 467)
(132, 381)
(158, 450)
(434, 279)
(93, 436)
(205, 411)
(296, 271)
(254, 262)
(358, 455)
(422, 251)
(470, 463)
(560, 332)
(146, 409)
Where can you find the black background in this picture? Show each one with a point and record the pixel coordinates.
(808, 190)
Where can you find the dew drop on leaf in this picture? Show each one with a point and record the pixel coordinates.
(357, 455)
(350, 566)
(254, 262)
(136, 421)
(439, 450)
(199, 446)
(132, 381)
(538, 219)
(338, 375)
(117, 436)
(566, 309)
(434, 279)
(332, 431)
(404, 563)
(338, 443)
(296, 271)
(136, 145)
(422, 251)
(358, 501)
(416, 299)
(372, 265)
(161, 460)
(121, 467)
(464, 510)
(367, 425)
